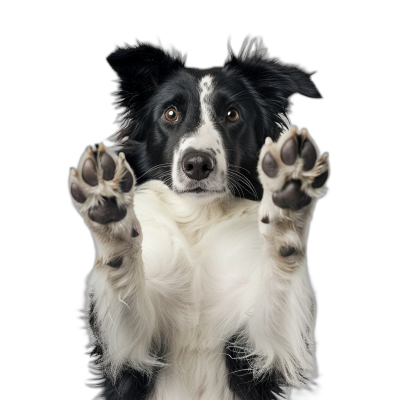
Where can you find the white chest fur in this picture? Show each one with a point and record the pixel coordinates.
(203, 267)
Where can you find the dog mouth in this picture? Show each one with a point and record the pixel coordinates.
(199, 190)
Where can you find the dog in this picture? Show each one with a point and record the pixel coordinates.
(200, 216)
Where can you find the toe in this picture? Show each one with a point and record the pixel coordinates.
(89, 172)
(108, 165)
(309, 155)
(126, 182)
(320, 180)
(77, 193)
(289, 151)
(269, 166)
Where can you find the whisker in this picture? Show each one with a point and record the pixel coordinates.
(243, 179)
(237, 166)
(236, 185)
(153, 168)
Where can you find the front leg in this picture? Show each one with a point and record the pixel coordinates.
(293, 178)
(122, 315)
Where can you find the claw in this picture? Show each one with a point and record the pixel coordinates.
(304, 133)
(101, 148)
(121, 155)
(89, 150)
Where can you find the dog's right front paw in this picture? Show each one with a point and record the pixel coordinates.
(102, 187)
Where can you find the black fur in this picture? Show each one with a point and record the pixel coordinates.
(131, 385)
(241, 379)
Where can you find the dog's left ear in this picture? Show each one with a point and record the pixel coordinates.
(271, 75)
(273, 83)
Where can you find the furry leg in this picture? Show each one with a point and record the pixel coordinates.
(122, 315)
(280, 330)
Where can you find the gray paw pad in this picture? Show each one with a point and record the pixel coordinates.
(289, 151)
(286, 251)
(107, 212)
(291, 196)
(76, 193)
(115, 262)
(269, 166)
(126, 182)
(309, 155)
(320, 180)
(89, 173)
(108, 165)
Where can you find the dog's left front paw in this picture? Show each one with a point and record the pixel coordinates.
(290, 170)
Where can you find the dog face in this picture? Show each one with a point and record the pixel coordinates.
(200, 131)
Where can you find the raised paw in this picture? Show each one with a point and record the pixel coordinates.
(102, 187)
(290, 170)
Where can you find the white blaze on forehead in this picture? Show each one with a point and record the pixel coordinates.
(206, 137)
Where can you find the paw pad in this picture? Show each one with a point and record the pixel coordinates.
(106, 212)
(126, 182)
(289, 151)
(108, 166)
(320, 180)
(309, 155)
(115, 262)
(286, 251)
(89, 173)
(291, 196)
(77, 193)
(269, 166)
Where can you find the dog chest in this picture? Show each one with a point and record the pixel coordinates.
(206, 270)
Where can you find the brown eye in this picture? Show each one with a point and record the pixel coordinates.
(171, 115)
(232, 115)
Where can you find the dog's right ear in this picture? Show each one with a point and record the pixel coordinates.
(140, 70)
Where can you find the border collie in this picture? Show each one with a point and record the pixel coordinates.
(200, 217)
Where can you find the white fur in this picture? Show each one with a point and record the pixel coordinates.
(199, 273)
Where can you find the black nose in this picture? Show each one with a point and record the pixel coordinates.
(197, 165)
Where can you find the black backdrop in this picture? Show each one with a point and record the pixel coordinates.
(74, 110)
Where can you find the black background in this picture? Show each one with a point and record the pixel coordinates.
(74, 109)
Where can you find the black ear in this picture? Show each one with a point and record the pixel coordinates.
(253, 62)
(140, 70)
(273, 82)
(143, 61)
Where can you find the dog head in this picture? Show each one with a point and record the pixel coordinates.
(200, 131)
